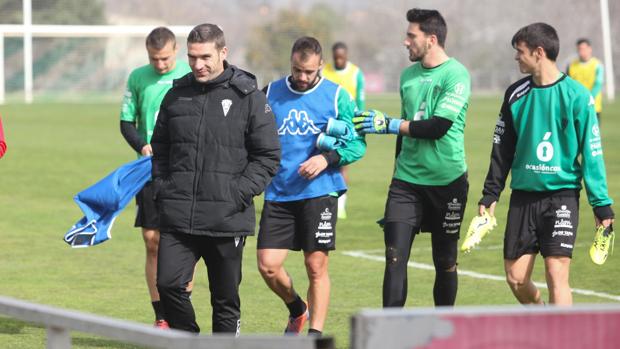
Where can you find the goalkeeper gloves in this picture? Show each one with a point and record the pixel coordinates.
(327, 143)
(339, 129)
(374, 121)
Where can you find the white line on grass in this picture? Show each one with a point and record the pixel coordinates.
(476, 275)
(477, 248)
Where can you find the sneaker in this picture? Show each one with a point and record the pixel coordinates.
(296, 325)
(480, 226)
(603, 239)
(161, 324)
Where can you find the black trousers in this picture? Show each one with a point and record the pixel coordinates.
(178, 254)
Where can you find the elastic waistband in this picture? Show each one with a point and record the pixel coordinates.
(546, 194)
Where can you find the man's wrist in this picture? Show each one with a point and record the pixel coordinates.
(603, 212)
(393, 126)
(332, 157)
(487, 200)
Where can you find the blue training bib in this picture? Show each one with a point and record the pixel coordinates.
(300, 118)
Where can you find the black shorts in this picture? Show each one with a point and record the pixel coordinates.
(544, 221)
(147, 215)
(308, 225)
(435, 209)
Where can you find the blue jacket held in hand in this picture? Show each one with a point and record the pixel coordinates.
(104, 200)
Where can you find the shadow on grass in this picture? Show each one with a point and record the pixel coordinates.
(11, 326)
(95, 342)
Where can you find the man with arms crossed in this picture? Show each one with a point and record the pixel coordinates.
(547, 136)
(429, 188)
(301, 201)
(146, 88)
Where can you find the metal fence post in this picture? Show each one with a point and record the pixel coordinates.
(58, 338)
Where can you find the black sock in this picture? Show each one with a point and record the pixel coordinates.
(297, 307)
(315, 332)
(159, 310)
(446, 284)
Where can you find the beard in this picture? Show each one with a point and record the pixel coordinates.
(417, 56)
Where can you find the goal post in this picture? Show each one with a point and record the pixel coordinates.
(124, 43)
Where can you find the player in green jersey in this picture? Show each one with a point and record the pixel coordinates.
(351, 78)
(547, 136)
(429, 188)
(146, 88)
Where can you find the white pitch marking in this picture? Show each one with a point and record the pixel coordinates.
(477, 248)
(476, 275)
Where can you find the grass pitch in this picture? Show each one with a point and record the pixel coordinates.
(56, 150)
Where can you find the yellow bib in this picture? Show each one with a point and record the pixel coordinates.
(585, 73)
(347, 77)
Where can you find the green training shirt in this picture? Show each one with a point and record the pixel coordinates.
(355, 148)
(441, 91)
(548, 138)
(145, 91)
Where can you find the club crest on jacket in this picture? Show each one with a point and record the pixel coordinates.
(226, 103)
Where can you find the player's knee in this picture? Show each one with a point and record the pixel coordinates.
(392, 256)
(316, 269)
(167, 287)
(268, 271)
(445, 263)
(557, 278)
(316, 272)
(515, 281)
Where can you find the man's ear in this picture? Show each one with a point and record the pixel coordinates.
(224, 53)
(540, 52)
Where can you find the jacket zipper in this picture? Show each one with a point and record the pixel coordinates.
(198, 171)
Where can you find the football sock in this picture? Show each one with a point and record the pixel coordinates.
(446, 284)
(297, 307)
(315, 332)
(398, 239)
(158, 308)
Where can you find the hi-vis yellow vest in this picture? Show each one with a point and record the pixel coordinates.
(347, 78)
(585, 73)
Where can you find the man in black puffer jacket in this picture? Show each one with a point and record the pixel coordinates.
(215, 147)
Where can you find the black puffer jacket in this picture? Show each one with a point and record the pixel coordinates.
(215, 147)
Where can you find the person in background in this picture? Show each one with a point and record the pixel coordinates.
(146, 88)
(348, 75)
(588, 70)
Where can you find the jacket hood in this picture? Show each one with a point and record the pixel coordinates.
(241, 80)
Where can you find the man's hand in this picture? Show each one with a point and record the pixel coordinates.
(482, 208)
(312, 167)
(374, 121)
(605, 222)
(146, 150)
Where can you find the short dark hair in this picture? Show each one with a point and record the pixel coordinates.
(339, 45)
(583, 41)
(159, 37)
(431, 23)
(539, 35)
(207, 32)
(306, 46)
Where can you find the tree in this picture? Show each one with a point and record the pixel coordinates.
(269, 46)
